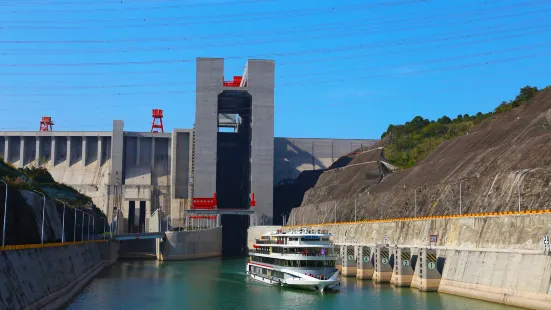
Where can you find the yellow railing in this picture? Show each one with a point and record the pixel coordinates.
(423, 218)
(45, 245)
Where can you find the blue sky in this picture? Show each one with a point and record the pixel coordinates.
(344, 69)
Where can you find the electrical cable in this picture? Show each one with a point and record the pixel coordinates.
(287, 54)
(122, 4)
(285, 63)
(430, 61)
(292, 39)
(261, 15)
(315, 27)
(309, 81)
(478, 64)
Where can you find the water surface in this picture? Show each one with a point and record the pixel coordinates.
(223, 284)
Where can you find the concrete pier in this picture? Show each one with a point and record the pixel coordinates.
(338, 262)
(403, 267)
(365, 265)
(348, 260)
(382, 270)
(429, 276)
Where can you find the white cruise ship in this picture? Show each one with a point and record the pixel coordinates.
(301, 258)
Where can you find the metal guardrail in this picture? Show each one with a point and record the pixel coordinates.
(291, 254)
(45, 245)
(424, 218)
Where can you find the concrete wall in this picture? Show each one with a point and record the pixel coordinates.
(294, 155)
(81, 160)
(147, 172)
(209, 82)
(260, 84)
(180, 174)
(186, 245)
(138, 168)
(499, 259)
(50, 277)
(522, 280)
(143, 249)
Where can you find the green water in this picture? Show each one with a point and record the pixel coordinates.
(222, 284)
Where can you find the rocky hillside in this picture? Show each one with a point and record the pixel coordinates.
(507, 153)
(24, 207)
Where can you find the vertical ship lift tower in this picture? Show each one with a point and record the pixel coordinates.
(205, 214)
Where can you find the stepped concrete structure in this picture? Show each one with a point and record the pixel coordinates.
(231, 151)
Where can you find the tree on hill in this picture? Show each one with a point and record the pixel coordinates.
(415, 139)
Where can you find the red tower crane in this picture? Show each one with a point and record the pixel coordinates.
(46, 124)
(157, 115)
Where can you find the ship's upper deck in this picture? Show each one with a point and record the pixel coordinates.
(296, 238)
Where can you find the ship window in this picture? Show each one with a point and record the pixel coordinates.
(310, 238)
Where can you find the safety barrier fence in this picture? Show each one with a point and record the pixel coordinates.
(423, 218)
(45, 245)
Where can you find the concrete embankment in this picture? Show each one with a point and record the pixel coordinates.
(186, 245)
(499, 259)
(49, 277)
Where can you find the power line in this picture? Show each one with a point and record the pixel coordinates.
(408, 51)
(414, 24)
(414, 41)
(285, 63)
(478, 64)
(122, 5)
(430, 61)
(242, 16)
(533, 69)
(321, 81)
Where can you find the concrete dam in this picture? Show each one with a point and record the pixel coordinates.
(230, 151)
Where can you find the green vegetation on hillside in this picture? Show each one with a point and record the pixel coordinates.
(414, 140)
(41, 180)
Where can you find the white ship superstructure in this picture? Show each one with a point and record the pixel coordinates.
(299, 258)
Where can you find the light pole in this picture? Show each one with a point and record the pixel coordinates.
(283, 219)
(88, 228)
(5, 214)
(63, 221)
(93, 226)
(519, 196)
(82, 226)
(103, 221)
(381, 207)
(415, 207)
(355, 203)
(43, 213)
(460, 206)
(335, 212)
(75, 228)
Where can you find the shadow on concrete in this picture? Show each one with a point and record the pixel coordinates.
(413, 261)
(440, 262)
(289, 196)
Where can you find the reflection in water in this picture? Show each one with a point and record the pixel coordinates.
(223, 284)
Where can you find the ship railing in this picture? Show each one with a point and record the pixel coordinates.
(294, 254)
(259, 241)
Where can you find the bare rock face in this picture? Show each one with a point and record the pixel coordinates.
(548, 117)
(504, 157)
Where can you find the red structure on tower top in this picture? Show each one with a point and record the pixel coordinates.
(235, 83)
(157, 115)
(46, 124)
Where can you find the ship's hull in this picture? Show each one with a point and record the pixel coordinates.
(300, 281)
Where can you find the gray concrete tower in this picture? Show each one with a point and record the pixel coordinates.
(250, 147)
